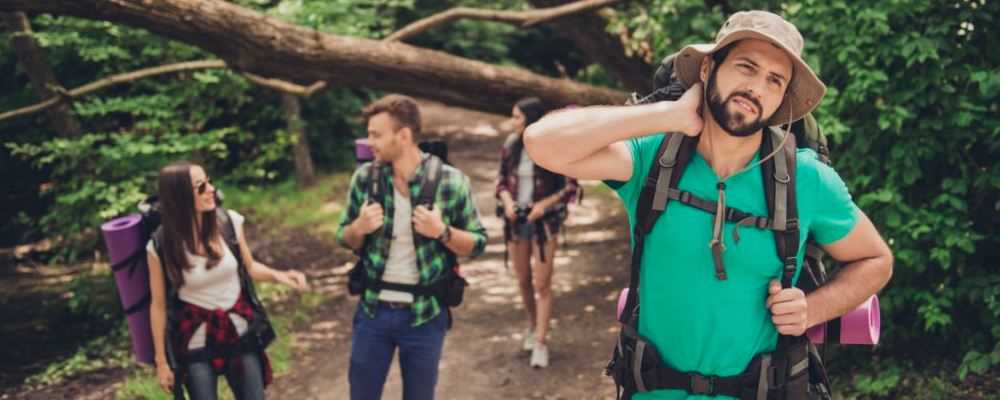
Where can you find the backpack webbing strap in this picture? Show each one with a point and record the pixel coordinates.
(666, 164)
(428, 191)
(731, 214)
(779, 189)
(673, 162)
(429, 185)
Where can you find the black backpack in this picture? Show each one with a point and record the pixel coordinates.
(449, 289)
(259, 334)
(795, 369)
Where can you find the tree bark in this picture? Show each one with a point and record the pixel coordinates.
(127, 77)
(251, 42)
(587, 32)
(304, 173)
(43, 80)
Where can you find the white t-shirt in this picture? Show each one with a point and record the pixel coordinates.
(525, 179)
(212, 289)
(401, 267)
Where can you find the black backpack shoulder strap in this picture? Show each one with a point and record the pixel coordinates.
(672, 157)
(157, 238)
(779, 189)
(376, 189)
(228, 230)
(430, 183)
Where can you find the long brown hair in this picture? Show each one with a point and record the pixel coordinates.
(177, 210)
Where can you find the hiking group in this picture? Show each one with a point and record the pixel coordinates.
(730, 200)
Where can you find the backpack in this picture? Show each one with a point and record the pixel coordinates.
(795, 369)
(259, 333)
(449, 289)
(437, 147)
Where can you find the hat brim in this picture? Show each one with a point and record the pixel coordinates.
(805, 91)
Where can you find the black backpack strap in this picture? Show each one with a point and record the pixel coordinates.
(790, 357)
(376, 189)
(228, 230)
(779, 189)
(672, 157)
(431, 180)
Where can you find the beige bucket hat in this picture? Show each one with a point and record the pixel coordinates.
(805, 91)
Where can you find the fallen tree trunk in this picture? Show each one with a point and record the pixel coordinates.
(251, 42)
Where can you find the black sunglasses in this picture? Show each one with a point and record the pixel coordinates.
(203, 186)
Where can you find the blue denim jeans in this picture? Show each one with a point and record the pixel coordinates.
(247, 383)
(374, 342)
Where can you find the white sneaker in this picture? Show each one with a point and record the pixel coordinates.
(540, 356)
(529, 341)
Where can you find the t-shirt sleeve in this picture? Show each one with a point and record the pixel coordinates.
(238, 220)
(835, 212)
(642, 150)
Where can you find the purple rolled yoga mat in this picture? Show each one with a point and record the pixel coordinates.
(362, 151)
(863, 325)
(123, 237)
(622, 298)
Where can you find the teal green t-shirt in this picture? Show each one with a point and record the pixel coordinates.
(698, 322)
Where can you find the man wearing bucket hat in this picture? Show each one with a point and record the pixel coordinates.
(714, 294)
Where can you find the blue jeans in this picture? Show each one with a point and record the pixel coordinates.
(374, 342)
(247, 382)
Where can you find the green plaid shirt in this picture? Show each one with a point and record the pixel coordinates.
(458, 210)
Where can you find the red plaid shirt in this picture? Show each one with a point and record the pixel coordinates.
(219, 330)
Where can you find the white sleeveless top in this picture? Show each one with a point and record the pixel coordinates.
(212, 289)
(401, 267)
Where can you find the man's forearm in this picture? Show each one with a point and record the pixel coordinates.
(850, 287)
(566, 136)
(352, 237)
(462, 243)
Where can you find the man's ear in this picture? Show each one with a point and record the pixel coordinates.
(706, 68)
(407, 133)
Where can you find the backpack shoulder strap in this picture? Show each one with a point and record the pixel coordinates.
(376, 189)
(779, 189)
(672, 158)
(228, 230)
(430, 183)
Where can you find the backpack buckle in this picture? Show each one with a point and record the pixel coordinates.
(702, 384)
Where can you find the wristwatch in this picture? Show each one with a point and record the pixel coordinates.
(445, 236)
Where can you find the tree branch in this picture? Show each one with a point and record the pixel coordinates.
(35, 64)
(286, 87)
(524, 18)
(64, 95)
(249, 41)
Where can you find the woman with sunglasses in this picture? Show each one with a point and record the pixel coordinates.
(205, 317)
(532, 202)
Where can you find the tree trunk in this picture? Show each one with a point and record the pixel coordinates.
(252, 42)
(587, 32)
(304, 173)
(43, 80)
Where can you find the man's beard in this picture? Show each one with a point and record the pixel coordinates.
(733, 123)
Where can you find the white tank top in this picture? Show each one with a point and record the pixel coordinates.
(525, 179)
(401, 267)
(212, 289)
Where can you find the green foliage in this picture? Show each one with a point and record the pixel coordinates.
(284, 206)
(100, 176)
(912, 114)
(917, 100)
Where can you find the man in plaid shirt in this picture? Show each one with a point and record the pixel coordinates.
(403, 244)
